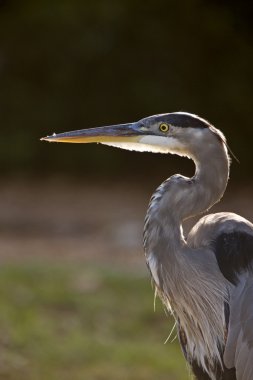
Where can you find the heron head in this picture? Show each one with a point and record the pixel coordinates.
(177, 133)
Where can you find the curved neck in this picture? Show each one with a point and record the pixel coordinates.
(179, 198)
(209, 182)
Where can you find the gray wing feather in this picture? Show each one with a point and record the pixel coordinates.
(239, 347)
(247, 374)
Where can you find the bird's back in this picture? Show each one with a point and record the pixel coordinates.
(230, 238)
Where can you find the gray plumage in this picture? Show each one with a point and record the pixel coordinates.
(206, 280)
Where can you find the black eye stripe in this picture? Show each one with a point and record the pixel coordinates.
(186, 121)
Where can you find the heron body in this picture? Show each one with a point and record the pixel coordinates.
(206, 279)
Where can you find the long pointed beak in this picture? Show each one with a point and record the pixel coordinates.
(113, 133)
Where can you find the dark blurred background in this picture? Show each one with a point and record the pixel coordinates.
(75, 295)
(75, 64)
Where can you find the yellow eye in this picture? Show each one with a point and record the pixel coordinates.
(164, 127)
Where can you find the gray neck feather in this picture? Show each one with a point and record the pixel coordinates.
(179, 198)
(187, 280)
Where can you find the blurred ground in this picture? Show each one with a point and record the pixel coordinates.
(69, 220)
(75, 296)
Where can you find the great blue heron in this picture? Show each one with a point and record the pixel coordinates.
(206, 280)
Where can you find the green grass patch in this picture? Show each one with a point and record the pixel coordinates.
(77, 321)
